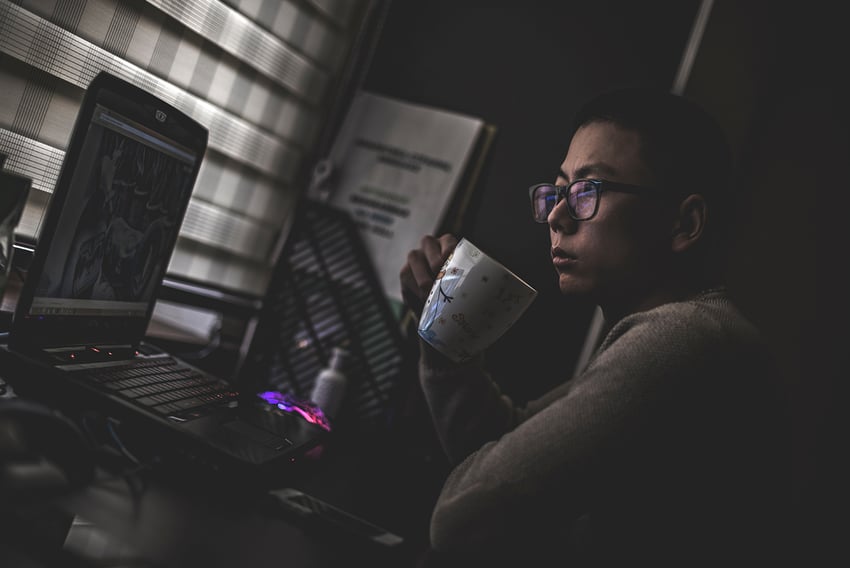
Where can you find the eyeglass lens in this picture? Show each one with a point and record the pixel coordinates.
(543, 201)
(581, 200)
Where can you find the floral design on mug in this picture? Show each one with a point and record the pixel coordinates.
(506, 297)
(464, 325)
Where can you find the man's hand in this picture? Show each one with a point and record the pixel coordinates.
(419, 273)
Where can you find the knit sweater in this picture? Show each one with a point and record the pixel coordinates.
(665, 446)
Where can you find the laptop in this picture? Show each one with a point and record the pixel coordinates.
(77, 335)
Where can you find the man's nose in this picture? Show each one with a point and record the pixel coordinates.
(559, 219)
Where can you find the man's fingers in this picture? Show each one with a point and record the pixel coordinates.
(410, 290)
(431, 249)
(421, 272)
(417, 276)
(448, 242)
(437, 250)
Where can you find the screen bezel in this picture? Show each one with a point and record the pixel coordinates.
(141, 107)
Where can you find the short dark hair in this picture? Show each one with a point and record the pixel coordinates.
(682, 144)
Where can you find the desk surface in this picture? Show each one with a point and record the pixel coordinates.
(390, 479)
(166, 522)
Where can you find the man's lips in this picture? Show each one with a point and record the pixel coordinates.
(562, 259)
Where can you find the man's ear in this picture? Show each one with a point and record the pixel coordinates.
(689, 223)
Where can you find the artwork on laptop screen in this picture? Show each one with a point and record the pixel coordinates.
(117, 226)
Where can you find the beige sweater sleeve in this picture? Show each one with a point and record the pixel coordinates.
(517, 469)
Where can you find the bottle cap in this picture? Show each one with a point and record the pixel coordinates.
(339, 358)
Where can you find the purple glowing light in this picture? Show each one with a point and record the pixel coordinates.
(288, 403)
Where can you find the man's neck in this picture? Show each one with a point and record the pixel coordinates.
(672, 291)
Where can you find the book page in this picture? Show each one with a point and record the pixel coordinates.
(394, 167)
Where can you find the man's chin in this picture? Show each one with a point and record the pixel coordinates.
(569, 286)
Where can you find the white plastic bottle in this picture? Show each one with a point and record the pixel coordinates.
(331, 382)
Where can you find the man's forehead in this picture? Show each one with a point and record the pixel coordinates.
(604, 149)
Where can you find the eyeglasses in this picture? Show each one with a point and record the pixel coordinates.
(582, 197)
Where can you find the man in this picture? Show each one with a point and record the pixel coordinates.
(667, 447)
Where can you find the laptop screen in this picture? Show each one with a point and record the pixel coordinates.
(113, 220)
(122, 209)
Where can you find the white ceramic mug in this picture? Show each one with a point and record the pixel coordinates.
(473, 302)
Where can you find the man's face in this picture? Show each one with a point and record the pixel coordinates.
(619, 254)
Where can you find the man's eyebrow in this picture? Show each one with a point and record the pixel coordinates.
(590, 170)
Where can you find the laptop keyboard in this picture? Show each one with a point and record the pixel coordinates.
(164, 385)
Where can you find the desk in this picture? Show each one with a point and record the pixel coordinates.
(171, 523)
(390, 479)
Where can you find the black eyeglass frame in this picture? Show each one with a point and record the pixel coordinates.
(598, 185)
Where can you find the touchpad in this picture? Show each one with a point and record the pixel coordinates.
(258, 435)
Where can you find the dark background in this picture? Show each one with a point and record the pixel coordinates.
(773, 75)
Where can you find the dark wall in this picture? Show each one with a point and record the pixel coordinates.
(775, 73)
(524, 67)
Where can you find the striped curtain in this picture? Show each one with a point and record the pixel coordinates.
(260, 74)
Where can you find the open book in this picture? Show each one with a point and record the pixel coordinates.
(402, 170)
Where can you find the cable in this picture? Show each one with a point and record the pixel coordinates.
(110, 427)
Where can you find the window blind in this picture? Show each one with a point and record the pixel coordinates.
(262, 75)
